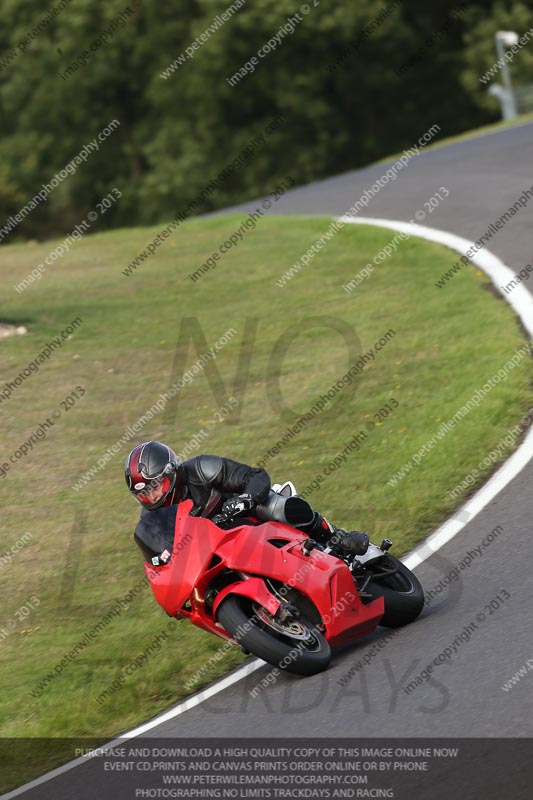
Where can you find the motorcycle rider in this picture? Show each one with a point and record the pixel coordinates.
(158, 478)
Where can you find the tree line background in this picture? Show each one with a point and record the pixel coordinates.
(346, 98)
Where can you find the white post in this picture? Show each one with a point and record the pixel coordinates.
(508, 100)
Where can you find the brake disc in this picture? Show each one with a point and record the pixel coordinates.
(293, 628)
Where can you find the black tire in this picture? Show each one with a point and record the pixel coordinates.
(237, 616)
(402, 592)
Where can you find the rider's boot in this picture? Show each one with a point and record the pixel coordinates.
(352, 543)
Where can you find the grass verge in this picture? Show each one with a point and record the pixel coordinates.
(466, 135)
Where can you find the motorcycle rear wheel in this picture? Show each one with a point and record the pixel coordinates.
(305, 652)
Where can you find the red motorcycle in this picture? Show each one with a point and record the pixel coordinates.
(272, 590)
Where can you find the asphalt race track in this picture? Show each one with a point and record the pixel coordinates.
(464, 698)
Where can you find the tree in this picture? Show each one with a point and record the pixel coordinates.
(191, 84)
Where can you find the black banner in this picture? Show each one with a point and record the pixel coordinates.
(405, 769)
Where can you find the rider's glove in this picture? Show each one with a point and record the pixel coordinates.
(237, 505)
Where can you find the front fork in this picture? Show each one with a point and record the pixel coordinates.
(358, 565)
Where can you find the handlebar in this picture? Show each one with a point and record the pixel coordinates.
(218, 519)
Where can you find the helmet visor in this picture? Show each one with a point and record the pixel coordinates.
(149, 493)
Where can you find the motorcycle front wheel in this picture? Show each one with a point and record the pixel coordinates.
(401, 590)
(294, 646)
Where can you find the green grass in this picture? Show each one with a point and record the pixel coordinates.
(463, 137)
(82, 557)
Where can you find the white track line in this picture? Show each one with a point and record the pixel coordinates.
(522, 303)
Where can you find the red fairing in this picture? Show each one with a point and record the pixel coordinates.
(241, 558)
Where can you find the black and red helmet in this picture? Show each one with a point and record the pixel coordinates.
(154, 475)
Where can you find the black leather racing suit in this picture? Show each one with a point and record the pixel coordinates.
(207, 476)
(208, 480)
